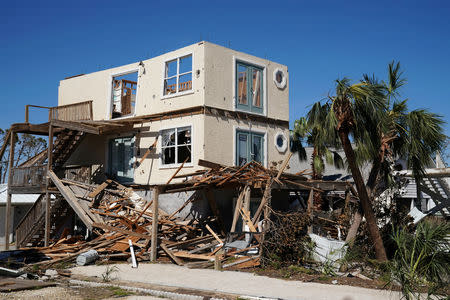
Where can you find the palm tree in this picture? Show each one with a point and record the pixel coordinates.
(355, 111)
(311, 129)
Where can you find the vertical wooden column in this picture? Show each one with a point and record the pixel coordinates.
(246, 204)
(47, 194)
(155, 209)
(8, 196)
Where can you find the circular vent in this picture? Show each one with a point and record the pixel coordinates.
(279, 77)
(281, 142)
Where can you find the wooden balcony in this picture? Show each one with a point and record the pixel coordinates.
(80, 111)
(28, 180)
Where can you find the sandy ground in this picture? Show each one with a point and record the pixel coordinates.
(239, 283)
(67, 293)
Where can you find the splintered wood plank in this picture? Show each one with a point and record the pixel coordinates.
(193, 256)
(214, 234)
(246, 217)
(70, 197)
(171, 255)
(100, 188)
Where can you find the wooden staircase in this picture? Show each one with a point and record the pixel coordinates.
(30, 231)
(65, 144)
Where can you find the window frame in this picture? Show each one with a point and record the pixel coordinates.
(177, 76)
(161, 148)
(117, 73)
(251, 132)
(249, 108)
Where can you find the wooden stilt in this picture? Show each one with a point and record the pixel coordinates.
(154, 245)
(47, 194)
(8, 196)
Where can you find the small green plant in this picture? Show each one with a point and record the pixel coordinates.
(119, 292)
(328, 268)
(108, 275)
(422, 259)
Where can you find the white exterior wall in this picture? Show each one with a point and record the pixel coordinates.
(220, 139)
(97, 86)
(213, 85)
(220, 81)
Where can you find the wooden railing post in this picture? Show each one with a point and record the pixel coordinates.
(8, 196)
(27, 108)
(47, 194)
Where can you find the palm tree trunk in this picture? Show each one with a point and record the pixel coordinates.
(364, 199)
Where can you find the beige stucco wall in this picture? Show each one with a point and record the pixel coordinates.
(220, 135)
(150, 100)
(219, 81)
(94, 150)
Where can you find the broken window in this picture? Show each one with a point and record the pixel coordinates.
(249, 87)
(124, 89)
(178, 75)
(249, 147)
(176, 145)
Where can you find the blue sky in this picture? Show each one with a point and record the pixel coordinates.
(320, 41)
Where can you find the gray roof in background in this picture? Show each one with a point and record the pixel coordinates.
(330, 173)
(16, 199)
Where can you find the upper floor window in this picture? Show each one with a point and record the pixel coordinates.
(178, 75)
(249, 87)
(176, 145)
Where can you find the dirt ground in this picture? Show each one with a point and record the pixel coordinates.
(66, 291)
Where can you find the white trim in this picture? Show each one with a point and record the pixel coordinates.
(281, 85)
(250, 129)
(283, 148)
(159, 144)
(128, 70)
(237, 58)
(163, 73)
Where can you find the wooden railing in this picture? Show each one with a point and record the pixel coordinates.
(72, 112)
(182, 86)
(30, 222)
(25, 177)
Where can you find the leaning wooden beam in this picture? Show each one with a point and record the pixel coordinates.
(8, 195)
(147, 153)
(265, 199)
(237, 208)
(70, 197)
(284, 165)
(178, 170)
(99, 188)
(171, 255)
(153, 251)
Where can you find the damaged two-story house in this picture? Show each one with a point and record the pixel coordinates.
(203, 101)
(139, 123)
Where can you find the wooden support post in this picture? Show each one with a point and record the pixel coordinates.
(8, 196)
(47, 194)
(238, 208)
(246, 205)
(154, 245)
